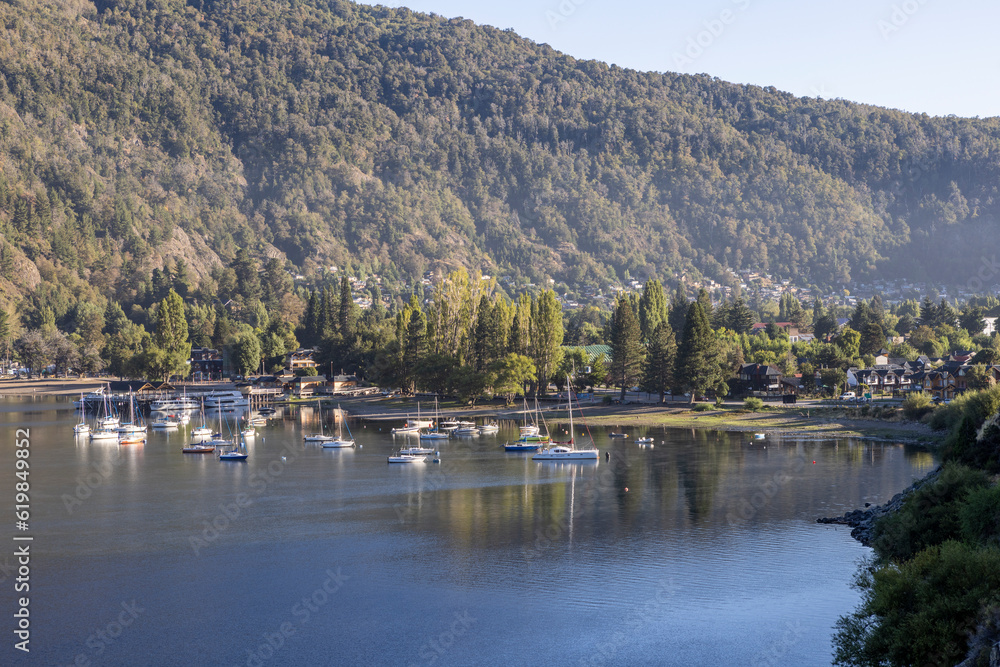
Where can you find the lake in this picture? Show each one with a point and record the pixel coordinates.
(702, 550)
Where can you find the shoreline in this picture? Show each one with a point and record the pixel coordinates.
(815, 421)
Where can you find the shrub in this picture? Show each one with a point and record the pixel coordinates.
(916, 405)
(919, 612)
(929, 516)
(753, 404)
(979, 516)
(702, 407)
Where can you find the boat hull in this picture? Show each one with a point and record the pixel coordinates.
(338, 444)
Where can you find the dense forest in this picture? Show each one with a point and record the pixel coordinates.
(317, 133)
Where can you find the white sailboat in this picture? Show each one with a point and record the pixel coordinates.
(132, 426)
(202, 431)
(321, 436)
(413, 425)
(340, 440)
(565, 451)
(83, 427)
(435, 433)
(406, 458)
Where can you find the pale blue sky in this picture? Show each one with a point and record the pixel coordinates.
(918, 55)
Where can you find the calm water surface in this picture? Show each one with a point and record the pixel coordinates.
(702, 550)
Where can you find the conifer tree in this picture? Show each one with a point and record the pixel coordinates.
(698, 363)
(652, 307)
(661, 361)
(627, 352)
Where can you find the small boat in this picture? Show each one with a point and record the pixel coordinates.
(617, 435)
(257, 420)
(416, 450)
(489, 428)
(198, 448)
(132, 426)
(467, 430)
(236, 453)
(406, 458)
(759, 436)
(104, 434)
(249, 432)
(406, 429)
(165, 424)
(201, 432)
(645, 441)
(267, 412)
(340, 441)
(132, 438)
(413, 425)
(109, 422)
(522, 445)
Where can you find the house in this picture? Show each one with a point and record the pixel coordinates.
(305, 386)
(206, 363)
(339, 383)
(758, 378)
(302, 358)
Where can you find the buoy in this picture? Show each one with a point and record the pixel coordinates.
(814, 463)
(436, 461)
(626, 489)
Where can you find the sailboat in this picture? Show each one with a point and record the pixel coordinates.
(108, 421)
(237, 453)
(321, 436)
(527, 429)
(434, 434)
(202, 431)
(83, 427)
(131, 426)
(340, 440)
(565, 451)
(531, 439)
(413, 425)
(108, 425)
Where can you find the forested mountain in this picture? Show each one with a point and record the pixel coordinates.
(324, 132)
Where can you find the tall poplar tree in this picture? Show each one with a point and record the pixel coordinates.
(627, 352)
(546, 336)
(652, 307)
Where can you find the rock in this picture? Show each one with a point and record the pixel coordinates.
(862, 522)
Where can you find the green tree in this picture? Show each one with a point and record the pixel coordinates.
(511, 374)
(698, 364)
(546, 336)
(661, 361)
(246, 354)
(627, 352)
(652, 308)
(170, 350)
(872, 338)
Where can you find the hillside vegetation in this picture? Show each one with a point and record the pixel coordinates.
(324, 132)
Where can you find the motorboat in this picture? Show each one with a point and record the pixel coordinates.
(645, 441)
(416, 450)
(467, 430)
(132, 438)
(617, 435)
(486, 429)
(165, 424)
(226, 400)
(198, 448)
(406, 458)
(174, 404)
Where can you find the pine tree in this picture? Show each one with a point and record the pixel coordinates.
(928, 312)
(698, 364)
(661, 361)
(627, 352)
(546, 336)
(741, 318)
(346, 313)
(678, 308)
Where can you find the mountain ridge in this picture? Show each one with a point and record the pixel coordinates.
(379, 139)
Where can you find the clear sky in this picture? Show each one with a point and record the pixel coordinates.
(917, 55)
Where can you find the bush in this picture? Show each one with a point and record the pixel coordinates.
(916, 405)
(920, 612)
(979, 516)
(930, 515)
(702, 407)
(753, 404)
